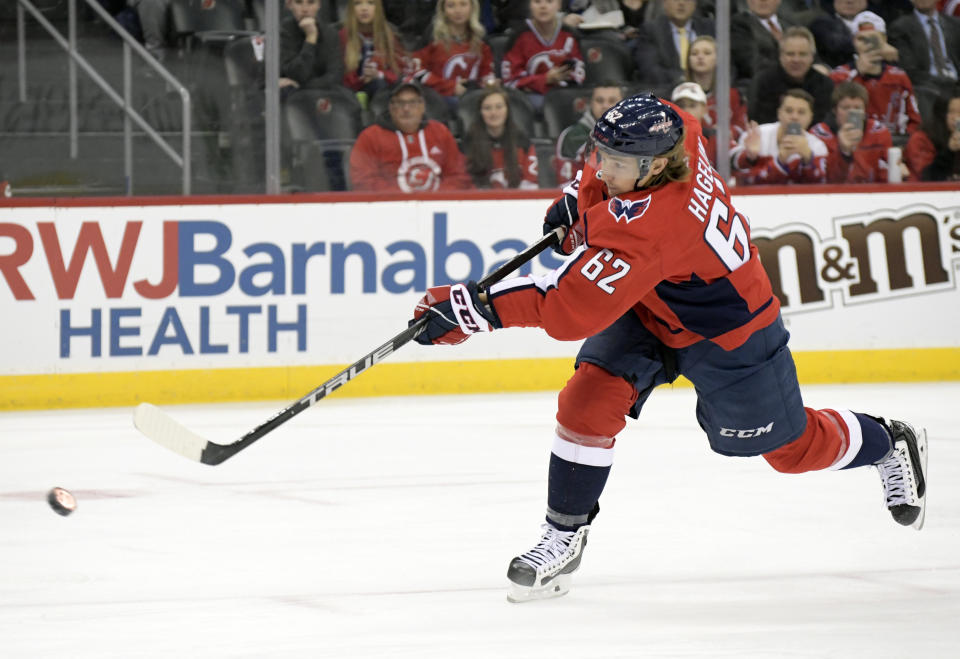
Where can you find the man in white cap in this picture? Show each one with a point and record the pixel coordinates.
(690, 96)
(891, 98)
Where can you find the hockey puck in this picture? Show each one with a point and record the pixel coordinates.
(62, 502)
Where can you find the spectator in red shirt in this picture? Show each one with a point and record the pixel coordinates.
(372, 53)
(933, 152)
(891, 99)
(499, 154)
(405, 151)
(782, 151)
(856, 144)
(544, 55)
(457, 59)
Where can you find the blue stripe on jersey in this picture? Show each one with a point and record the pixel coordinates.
(707, 309)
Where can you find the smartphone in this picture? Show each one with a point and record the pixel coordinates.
(793, 128)
(570, 63)
(956, 125)
(873, 41)
(856, 118)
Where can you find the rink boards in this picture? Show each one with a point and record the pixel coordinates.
(111, 303)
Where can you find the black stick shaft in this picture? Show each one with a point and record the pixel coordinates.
(214, 454)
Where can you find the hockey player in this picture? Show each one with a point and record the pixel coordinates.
(663, 279)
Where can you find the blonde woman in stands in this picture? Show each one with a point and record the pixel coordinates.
(372, 53)
(702, 69)
(457, 59)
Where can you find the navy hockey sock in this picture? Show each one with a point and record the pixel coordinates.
(876, 442)
(573, 492)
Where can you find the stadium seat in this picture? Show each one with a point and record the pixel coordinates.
(320, 127)
(243, 60)
(606, 60)
(498, 44)
(323, 114)
(205, 22)
(546, 149)
(563, 107)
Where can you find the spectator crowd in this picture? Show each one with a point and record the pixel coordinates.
(462, 94)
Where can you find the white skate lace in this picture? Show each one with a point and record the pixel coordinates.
(552, 547)
(897, 478)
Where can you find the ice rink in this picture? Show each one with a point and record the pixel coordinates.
(383, 528)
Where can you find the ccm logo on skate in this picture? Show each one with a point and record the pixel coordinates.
(746, 434)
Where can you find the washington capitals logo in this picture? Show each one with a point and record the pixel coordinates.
(628, 211)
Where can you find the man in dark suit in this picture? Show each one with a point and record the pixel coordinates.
(929, 45)
(794, 70)
(755, 36)
(661, 50)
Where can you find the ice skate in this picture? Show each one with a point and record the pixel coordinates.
(904, 474)
(544, 571)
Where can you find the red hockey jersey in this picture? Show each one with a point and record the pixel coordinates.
(354, 79)
(526, 64)
(919, 154)
(738, 114)
(679, 255)
(529, 169)
(868, 162)
(438, 67)
(384, 159)
(891, 100)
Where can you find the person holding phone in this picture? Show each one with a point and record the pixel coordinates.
(890, 92)
(857, 145)
(782, 151)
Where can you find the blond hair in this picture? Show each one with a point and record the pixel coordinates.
(383, 39)
(475, 29)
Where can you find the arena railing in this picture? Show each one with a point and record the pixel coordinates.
(130, 45)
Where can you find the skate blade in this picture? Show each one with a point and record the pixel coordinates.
(922, 448)
(559, 587)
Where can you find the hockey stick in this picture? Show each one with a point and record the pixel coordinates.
(164, 430)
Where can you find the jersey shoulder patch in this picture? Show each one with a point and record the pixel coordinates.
(628, 210)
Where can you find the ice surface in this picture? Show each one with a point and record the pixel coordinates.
(383, 528)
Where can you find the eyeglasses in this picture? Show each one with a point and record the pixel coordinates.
(413, 102)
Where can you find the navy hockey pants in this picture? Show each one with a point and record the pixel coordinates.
(748, 399)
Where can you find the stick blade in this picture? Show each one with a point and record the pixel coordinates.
(157, 425)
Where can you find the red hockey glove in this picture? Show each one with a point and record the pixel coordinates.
(455, 312)
(563, 213)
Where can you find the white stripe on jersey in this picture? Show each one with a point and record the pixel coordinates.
(542, 282)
